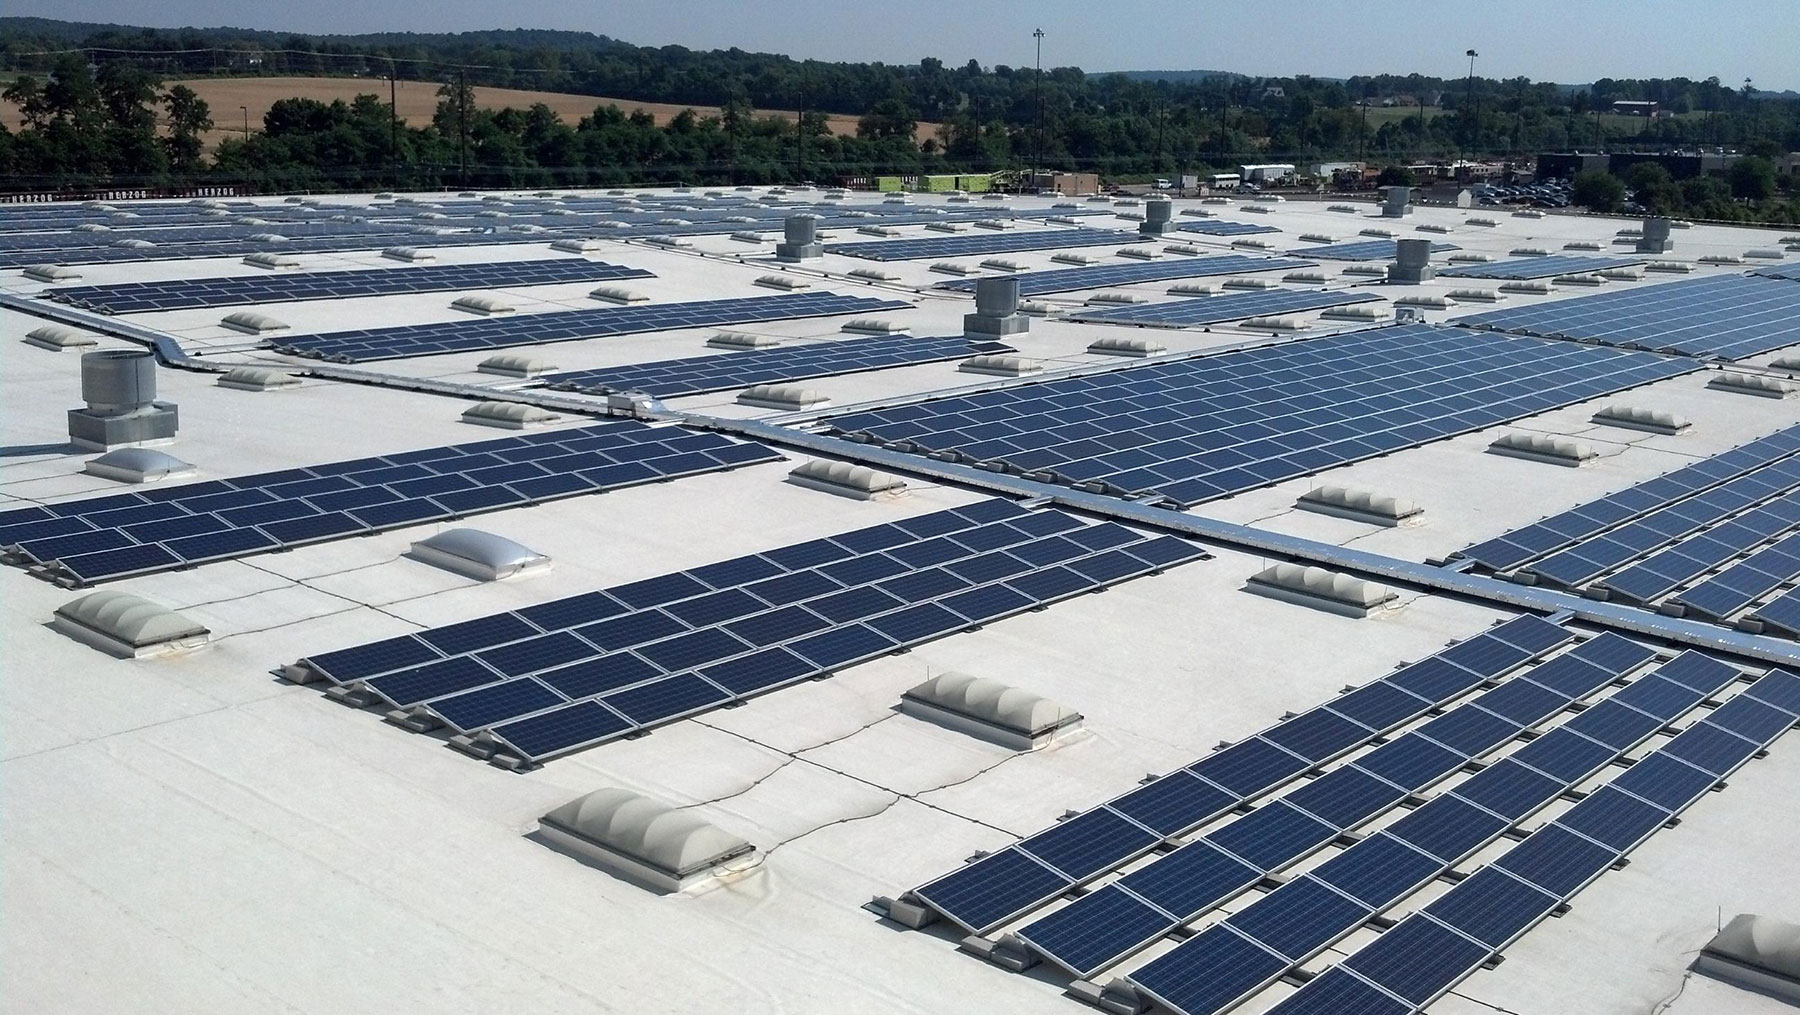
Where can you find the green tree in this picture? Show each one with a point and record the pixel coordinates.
(1655, 188)
(189, 117)
(1752, 178)
(887, 120)
(1396, 176)
(1597, 190)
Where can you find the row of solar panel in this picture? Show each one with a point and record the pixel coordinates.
(1193, 313)
(1724, 317)
(566, 326)
(1221, 227)
(1429, 952)
(1209, 426)
(103, 538)
(701, 374)
(1539, 267)
(566, 674)
(1365, 250)
(1289, 925)
(1665, 570)
(1099, 929)
(998, 888)
(983, 243)
(1514, 549)
(1059, 280)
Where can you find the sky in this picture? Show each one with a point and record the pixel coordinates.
(1570, 41)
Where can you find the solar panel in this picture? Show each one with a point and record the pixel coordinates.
(1721, 317)
(1201, 428)
(1196, 311)
(1296, 920)
(567, 326)
(1222, 227)
(105, 538)
(1787, 271)
(243, 290)
(702, 374)
(983, 243)
(1061, 280)
(1367, 250)
(1539, 267)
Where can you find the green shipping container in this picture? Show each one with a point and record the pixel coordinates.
(976, 184)
(889, 184)
(938, 184)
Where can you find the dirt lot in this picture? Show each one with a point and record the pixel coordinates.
(415, 102)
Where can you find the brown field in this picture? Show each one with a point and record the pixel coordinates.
(415, 101)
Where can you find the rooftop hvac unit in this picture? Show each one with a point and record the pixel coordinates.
(802, 239)
(1412, 262)
(1317, 238)
(119, 387)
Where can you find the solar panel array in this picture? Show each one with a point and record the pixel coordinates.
(1430, 951)
(1723, 317)
(1197, 311)
(1210, 426)
(997, 888)
(536, 329)
(1059, 280)
(1366, 250)
(1122, 918)
(723, 372)
(1787, 271)
(1220, 227)
(104, 538)
(242, 290)
(980, 243)
(571, 673)
(1539, 267)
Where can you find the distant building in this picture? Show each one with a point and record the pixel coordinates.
(1632, 107)
(1067, 184)
(1266, 172)
(1681, 165)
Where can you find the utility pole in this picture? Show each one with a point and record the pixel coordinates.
(462, 127)
(1161, 119)
(1474, 131)
(800, 132)
(246, 112)
(393, 124)
(1037, 151)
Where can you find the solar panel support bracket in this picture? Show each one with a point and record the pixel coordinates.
(908, 914)
(354, 695)
(416, 719)
(1116, 998)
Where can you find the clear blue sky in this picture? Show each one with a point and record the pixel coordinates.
(1554, 40)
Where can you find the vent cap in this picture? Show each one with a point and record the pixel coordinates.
(127, 626)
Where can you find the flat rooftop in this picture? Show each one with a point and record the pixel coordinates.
(195, 831)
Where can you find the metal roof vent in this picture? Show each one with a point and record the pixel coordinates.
(1757, 953)
(645, 840)
(874, 326)
(479, 555)
(1647, 420)
(1116, 298)
(875, 274)
(1542, 448)
(1476, 295)
(1251, 243)
(1070, 257)
(618, 294)
(127, 626)
(739, 340)
(1765, 254)
(1368, 270)
(1751, 384)
(1320, 589)
(846, 480)
(787, 282)
(1536, 286)
(1673, 267)
(271, 260)
(481, 303)
(573, 245)
(257, 379)
(252, 323)
(1317, 238)
(1721, 259)
(952, 268)
(1528, 252)
(1139, 253)
(1359, 312)
(1002, 264)
(508, 415)
(515, 365)
(1247, 283)
(1582, 245)
(782, 396)
(57, 338)
(51, 273)
(1578, 279)
(990, 710)
(1184, 249)
(1482, 220)
(1000, 366)
(1312, 277)
(1377, 232)
(1274, 324)
(1359, 505)
(137, 465)
(1120, 346)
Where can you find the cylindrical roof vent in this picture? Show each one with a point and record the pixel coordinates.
(1412, 253)
(997, 296)
(117, 381)
(802, 229)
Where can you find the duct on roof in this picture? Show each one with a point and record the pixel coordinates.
(1750, 384)
(1359, 505)
(846, 480)
(644, 840)
(1757, 953)
(257, 379)
(57, 338)
(618, 294)
(1120, 346)
(739, 340)
(127, 626)
(1542, 448)
(875, 326)
(1331, 591)
(1000, 366)
(1648, 420)
(137, 465)
(479, 555)
(787, 282)
(481, 303)
(51, 273)
(271, 260)
(514, 364)
(782, 396)
(990, 710)
(253, 323)
(508, 415)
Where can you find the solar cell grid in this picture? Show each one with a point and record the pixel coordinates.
(1539, 267)
(1367, 250)
(1196, 311)
(1059, 280)
(699, 375)
(984, 243)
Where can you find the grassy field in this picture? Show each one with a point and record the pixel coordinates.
(415, 101)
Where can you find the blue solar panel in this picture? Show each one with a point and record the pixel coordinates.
(1378, 870)
(1539, 267)
(1345, 797)
(1492, 907)
(563, 729)
(1665, 782)
(1298, 918)
(992, 889)
(1208, 972)
(1062, 280)
(1509, 789)
(1089, 843)
(432, 680)
(1447, 829)
(665, 699)
(1272, 836)
(698, 375)
(1337, 992)
(1249, 767)
(572, 325)
(1222, 227)
(1613, 819)
(981, 243)
(1367, 250)
(474, 709)
(1197, 311)
(1557, 860)
(1108, 923)
(1725, 317)
(1174, 803)
(1418, 959)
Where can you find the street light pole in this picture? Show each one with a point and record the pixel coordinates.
(1474, 132)
(1037, 148)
